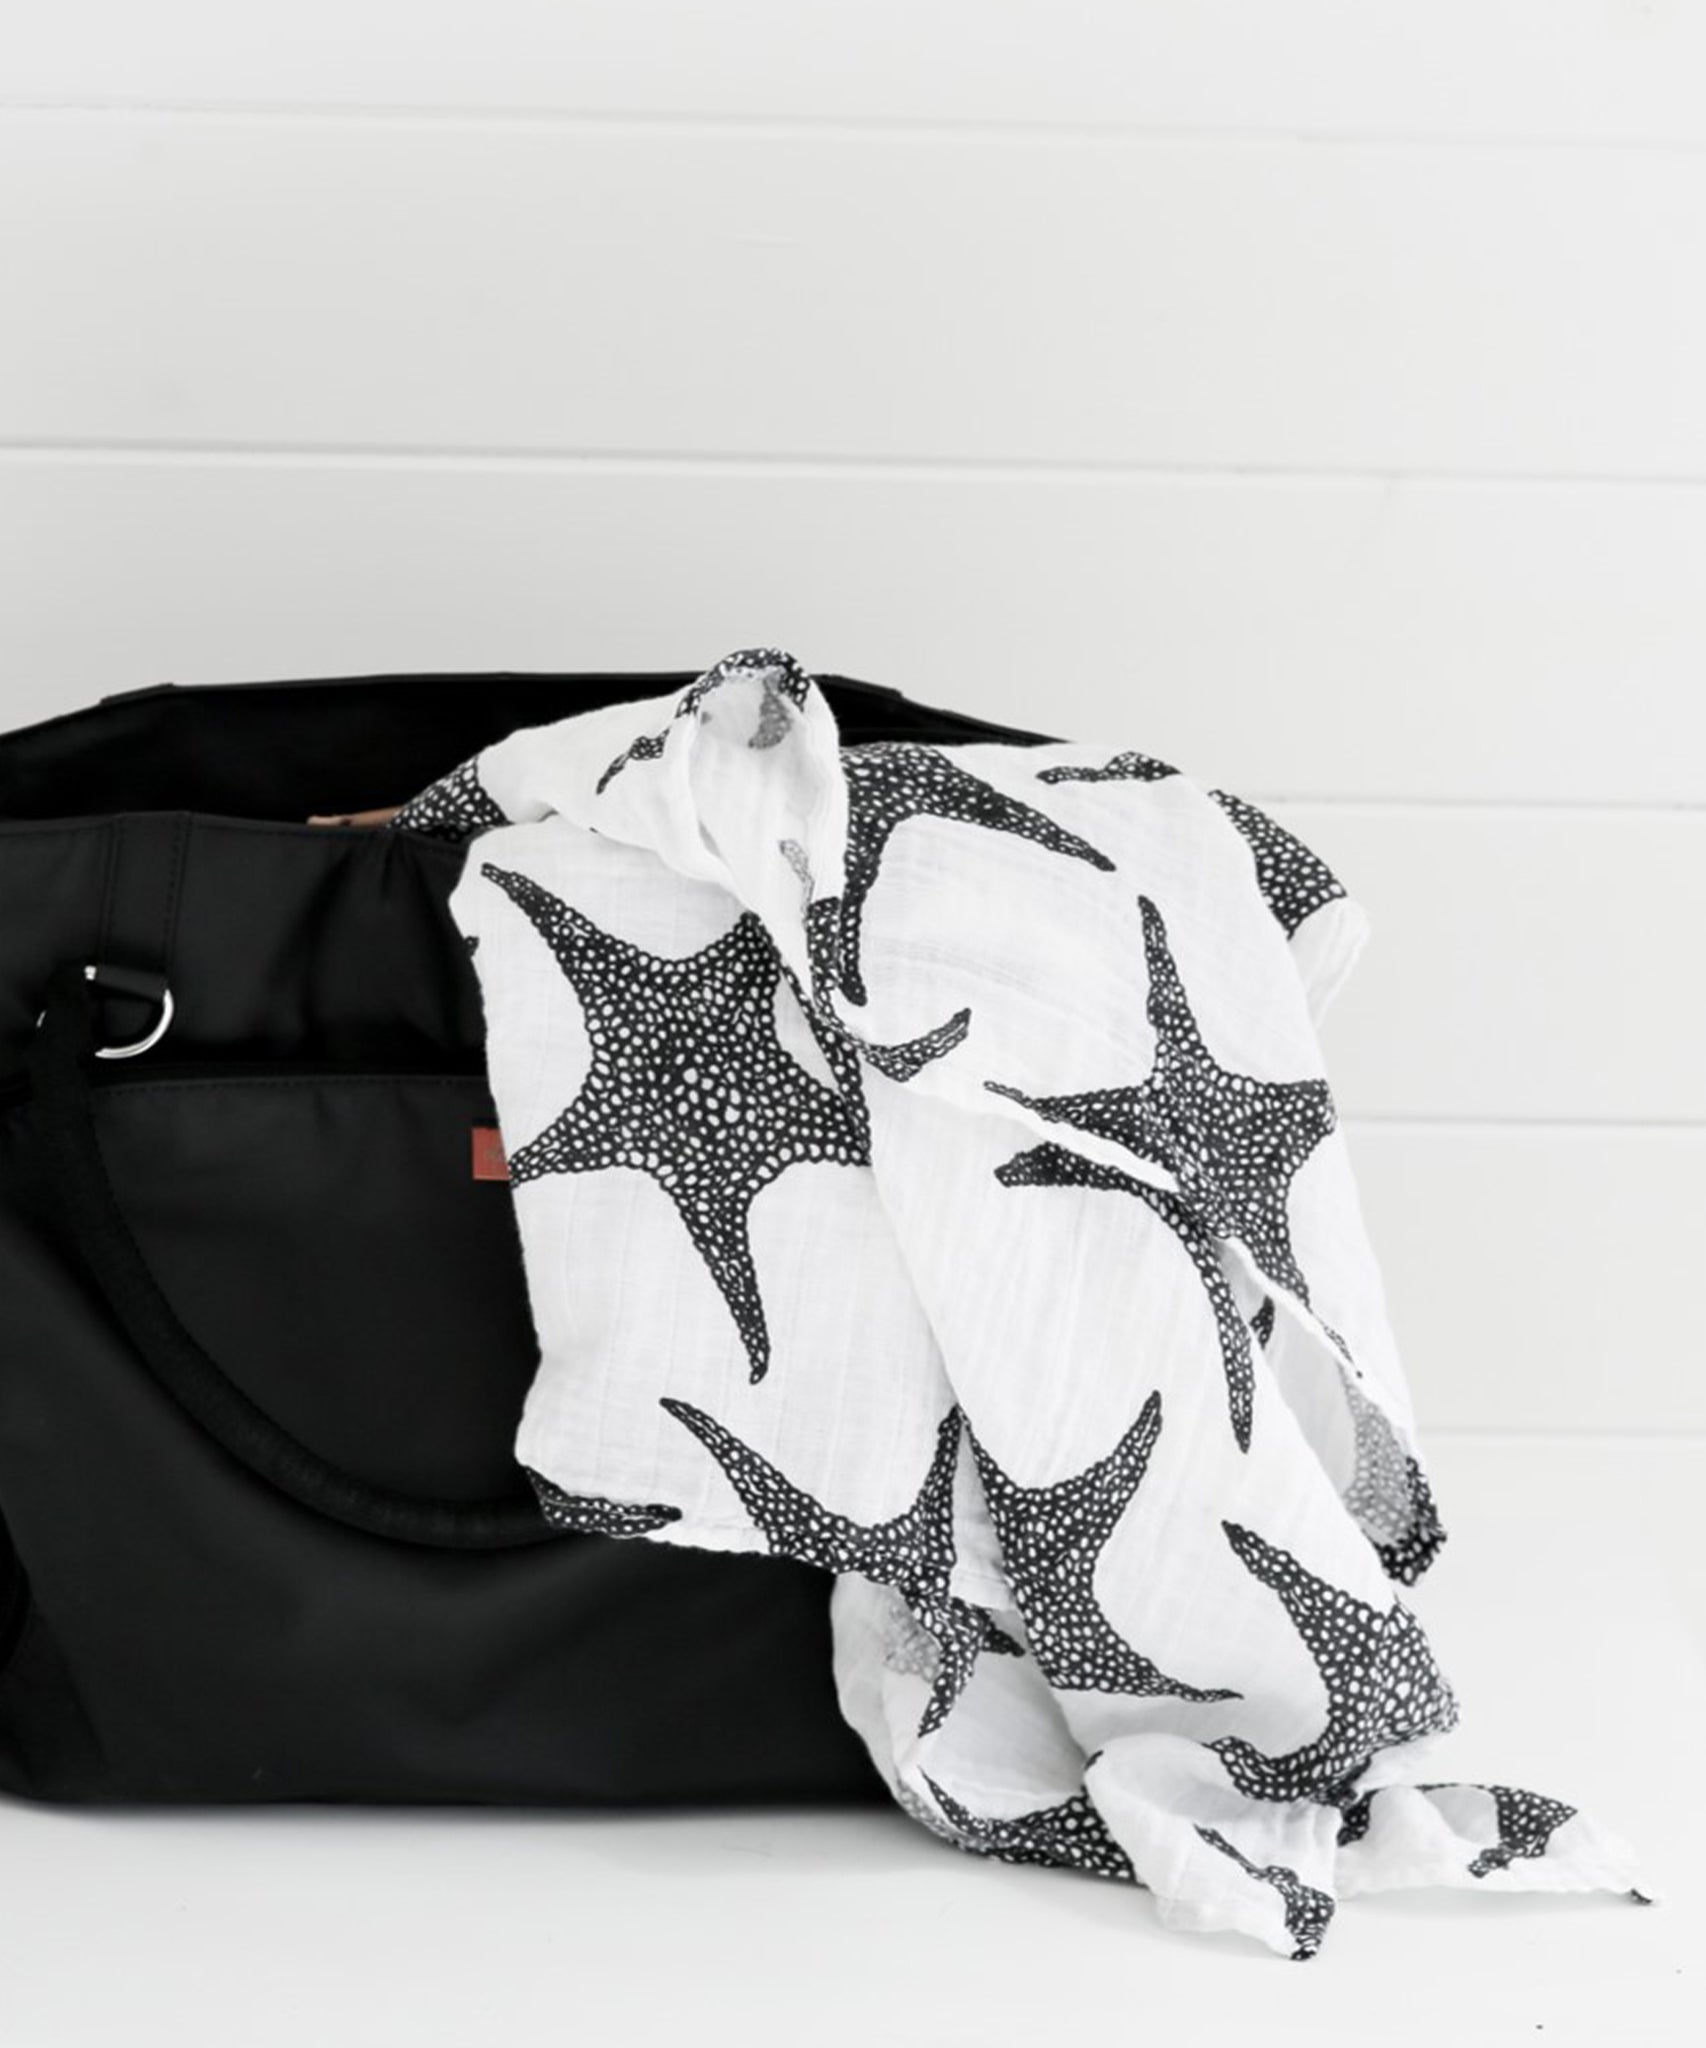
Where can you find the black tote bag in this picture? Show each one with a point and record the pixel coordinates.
(264, 1334)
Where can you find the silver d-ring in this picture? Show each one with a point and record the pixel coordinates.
(125, 1052)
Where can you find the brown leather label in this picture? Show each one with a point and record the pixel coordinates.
(489, 1160)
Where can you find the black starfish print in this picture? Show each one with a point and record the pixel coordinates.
(779, 674)
(645, 746)
(889, 781)
(1051, 1538)
(1262, 1322)
(1294, 881)
(1050, 1165)
(1389, 1497)
(781, 678)
(1129, 766)
(1071, 1833)
(456, 806)
(912, 1551)
(1405, 1558)
(594, 1515)
(909, 1646)
(1307, 1911)
(922, 1811)
(1355, 1817)
(690, 1083)
(1526, 1821)
(1233, 1142)
(821, 917)
(1383, 1686)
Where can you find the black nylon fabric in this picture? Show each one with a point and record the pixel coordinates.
(292, 1163)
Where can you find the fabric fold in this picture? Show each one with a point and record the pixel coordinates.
(926, 1168)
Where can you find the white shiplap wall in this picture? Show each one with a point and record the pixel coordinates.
(1311, 396)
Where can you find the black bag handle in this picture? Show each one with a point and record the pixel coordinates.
(62, 1123)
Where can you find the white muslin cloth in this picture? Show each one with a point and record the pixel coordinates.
(924, 1167)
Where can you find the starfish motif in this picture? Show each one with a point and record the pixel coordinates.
(645, 746)
(1233, 1142)
(595, 1516)
(781, 677)
(1051, 1538)
(1406, 1557)
(1526, 1821)
(689, 1083)
(889, 781)
(1294, 882)
(1050, 1165)
(1389, 1497)
(926, 1815)
(1307, 1911)
(456, 806)
(1526, 1824)
(1262, 1322)
(1355, 1815)
(821, 917)
(1129, 766)
(1071, 1833)
(1383, 1686)
(912, 1551)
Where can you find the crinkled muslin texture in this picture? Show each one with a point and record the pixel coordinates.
(925, 1168)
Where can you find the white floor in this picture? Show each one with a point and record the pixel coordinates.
(1569, 1610)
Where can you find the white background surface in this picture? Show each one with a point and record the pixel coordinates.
(1310, 396)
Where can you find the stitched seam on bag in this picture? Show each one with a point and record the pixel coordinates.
(260, 827)
(294, 1081)
(169, 920)
(109, 887)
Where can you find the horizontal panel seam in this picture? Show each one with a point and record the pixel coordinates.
(1585, 1433)
(717, 126)
(1413, 1125)
(723, 463)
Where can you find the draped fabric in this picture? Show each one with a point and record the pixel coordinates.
(925, 1167)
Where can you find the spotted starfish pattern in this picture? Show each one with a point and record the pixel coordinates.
(1383, 1686)
(1071, 1833)
(1050, 1165)
(889, 781)
(595, 1516)
(1307, 1911)
(1408, 1556)
(1128, 766)
(690, 1084)
(1525, 1821)
(1355, 1816)
(926, 1815)
(1051, 1538)
(1234, 1142)
(912, 1551)
(1294, 881)
(456, 806)
(822, 921)
(1262, 1322)
(781, 678)
(1389, 1497)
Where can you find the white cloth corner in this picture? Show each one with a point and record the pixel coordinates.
(925, 1168)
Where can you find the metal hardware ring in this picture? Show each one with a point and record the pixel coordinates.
(125, 1052)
